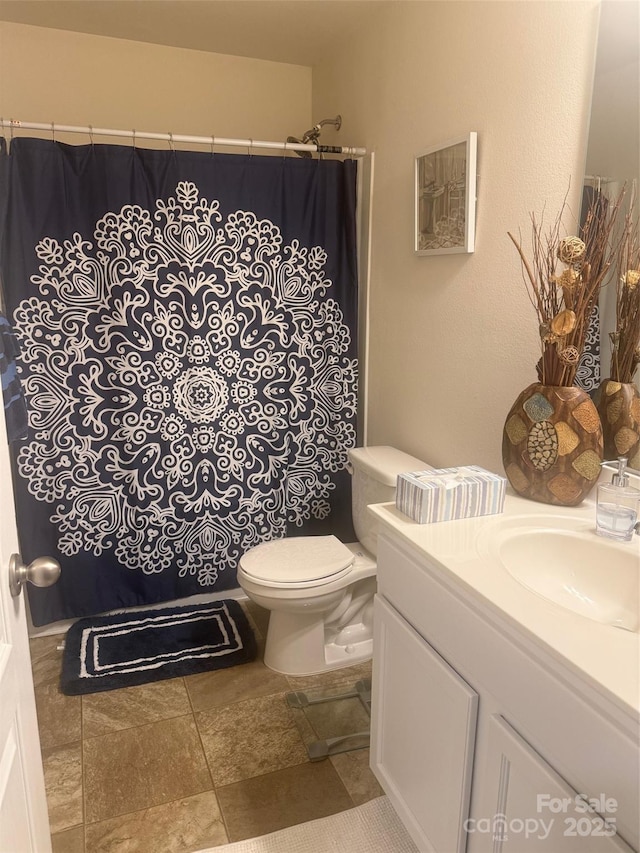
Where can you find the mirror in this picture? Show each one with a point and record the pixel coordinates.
(613, 151)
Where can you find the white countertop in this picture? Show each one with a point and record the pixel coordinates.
(606, 657)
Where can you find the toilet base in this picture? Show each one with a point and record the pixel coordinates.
(296, 645)
(339, 656)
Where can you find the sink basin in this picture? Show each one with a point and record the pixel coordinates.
(580, 572)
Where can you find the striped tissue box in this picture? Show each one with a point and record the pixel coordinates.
(444, 494)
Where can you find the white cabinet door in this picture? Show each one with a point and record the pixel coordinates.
(24, 824)
(423, 724)
(524, 805)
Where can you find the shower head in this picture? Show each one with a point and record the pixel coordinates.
(299, 142)
(310, 137)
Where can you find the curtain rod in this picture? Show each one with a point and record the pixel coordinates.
(600, 178)
(171, 138)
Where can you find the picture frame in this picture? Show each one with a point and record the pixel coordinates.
(445, 197)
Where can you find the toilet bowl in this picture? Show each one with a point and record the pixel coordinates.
(320, 594)
(319, 590)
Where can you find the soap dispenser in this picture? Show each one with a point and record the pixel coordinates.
(617, 506)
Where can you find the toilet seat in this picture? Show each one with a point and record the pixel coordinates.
(297, 562)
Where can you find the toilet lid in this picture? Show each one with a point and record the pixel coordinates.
(298, 560)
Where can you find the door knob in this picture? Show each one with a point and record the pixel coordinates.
(43, 571)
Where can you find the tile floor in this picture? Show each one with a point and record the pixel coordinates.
(188, 763)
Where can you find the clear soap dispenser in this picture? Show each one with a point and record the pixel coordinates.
(618, 504)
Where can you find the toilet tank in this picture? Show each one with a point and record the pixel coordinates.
(374, 472)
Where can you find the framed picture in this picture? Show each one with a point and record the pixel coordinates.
(445, 217)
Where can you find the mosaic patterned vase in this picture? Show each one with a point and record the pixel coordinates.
(618, 404)
(552, 444)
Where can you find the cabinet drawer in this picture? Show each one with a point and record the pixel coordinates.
(423, 734)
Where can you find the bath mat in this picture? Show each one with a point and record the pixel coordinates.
(371, 828)
(125, 649)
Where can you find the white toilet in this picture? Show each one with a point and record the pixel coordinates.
(319, 591)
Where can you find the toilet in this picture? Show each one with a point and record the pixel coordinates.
(319, 590)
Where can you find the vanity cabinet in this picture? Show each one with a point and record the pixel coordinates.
(482, 739)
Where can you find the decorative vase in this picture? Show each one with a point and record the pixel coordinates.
(552, 444)
(618, 405)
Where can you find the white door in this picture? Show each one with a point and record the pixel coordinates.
(24, 823)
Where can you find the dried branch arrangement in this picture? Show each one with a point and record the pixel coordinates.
(564, 297)
(625, 341)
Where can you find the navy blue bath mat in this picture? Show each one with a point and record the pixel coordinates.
(125, 649)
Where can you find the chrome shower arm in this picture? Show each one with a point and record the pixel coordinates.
(336, 122)
(310, 137)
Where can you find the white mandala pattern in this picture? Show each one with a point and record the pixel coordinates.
(189, 386)
(588, 372)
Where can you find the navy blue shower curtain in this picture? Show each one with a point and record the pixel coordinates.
(187, 326)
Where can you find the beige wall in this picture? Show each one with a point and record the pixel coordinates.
(454, 338)
(614, 137)
(614, 134)
(614, 142)
(71, 78)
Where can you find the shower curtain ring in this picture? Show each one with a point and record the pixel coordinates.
(212, 144)
(133, 133)
(171, 142)
(91, 134)
(53, 132)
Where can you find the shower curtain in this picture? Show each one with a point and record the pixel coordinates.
(187, 326)
(588, 372)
